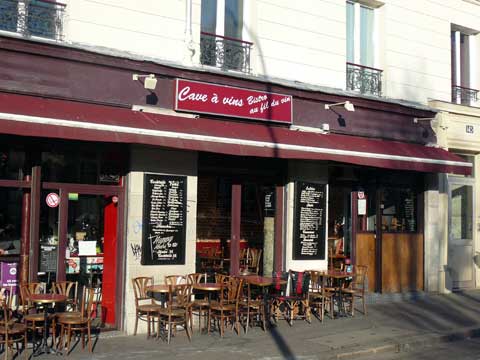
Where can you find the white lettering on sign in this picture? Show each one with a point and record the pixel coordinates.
(185, 94)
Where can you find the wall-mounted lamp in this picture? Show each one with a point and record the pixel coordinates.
(150, 81)
(346, 104)
(416, 120)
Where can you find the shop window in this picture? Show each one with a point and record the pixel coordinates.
(12, 163)
(399, 210)
(10, 219)
(366, 211)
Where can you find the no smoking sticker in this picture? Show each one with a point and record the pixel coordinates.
(52, 200)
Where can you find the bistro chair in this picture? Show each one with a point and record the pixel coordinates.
(11, 332)
(319, 297)
(199, 307)
(243, 257)
(295, 304)
(226, 308)
(357, 288)
(145, 307)
(255, 256)
(278, 293)
(250, 308)
(175, 279)
(79, 323)
(34, 321)
(70, 290)
(177, 311)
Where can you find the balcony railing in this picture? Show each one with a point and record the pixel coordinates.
(224, 52)
(364, 79)
(463, 95)
(43, 18)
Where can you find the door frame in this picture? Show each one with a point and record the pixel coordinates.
(83, 189)
(451, 180)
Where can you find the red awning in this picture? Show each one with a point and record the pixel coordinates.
(35, 116)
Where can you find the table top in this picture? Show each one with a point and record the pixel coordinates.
(47, 298)
(157, 289)
(208, 286)
(261, 280)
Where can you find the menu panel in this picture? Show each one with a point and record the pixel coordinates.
(164, 219)
(309, 238)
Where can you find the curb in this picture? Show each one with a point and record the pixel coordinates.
(417, 342)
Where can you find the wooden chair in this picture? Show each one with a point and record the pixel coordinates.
(79, 323)
(255, 256)
(357, 288)
(70, 290)
(11, 332)
(175, 279)
(320, 298)
(226, 308)
(278, 292)
(296, 304)
(145, 307)
(177, 311)
(243, 258)
(250, 308)
(34, 321)
(199, 306)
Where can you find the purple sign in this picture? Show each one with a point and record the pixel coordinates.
(9, 275)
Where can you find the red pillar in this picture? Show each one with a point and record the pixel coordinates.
(110, 275)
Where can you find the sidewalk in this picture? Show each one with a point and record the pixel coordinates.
(387, 328)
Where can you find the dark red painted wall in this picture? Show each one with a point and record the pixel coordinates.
(56, 71)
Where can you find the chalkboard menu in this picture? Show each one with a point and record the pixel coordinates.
(409, 208)
(48, 258)
(269, 201)
(164, 219)
(309, 221)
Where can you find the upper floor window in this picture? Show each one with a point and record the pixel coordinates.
(221, 43)
(463, 63)
(43, 18)
(362, 76)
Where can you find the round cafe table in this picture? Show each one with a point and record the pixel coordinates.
(47, 301)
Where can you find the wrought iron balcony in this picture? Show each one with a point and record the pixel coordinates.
(364, 79)
(43, 18)
(224, 52)
(463, 95)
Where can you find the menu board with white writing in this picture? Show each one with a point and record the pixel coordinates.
(309, 236)
(164, 219)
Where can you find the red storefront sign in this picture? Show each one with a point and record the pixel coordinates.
(205, 98)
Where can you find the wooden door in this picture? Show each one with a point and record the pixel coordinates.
(365, 255)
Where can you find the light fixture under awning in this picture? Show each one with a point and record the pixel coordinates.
(34, 116)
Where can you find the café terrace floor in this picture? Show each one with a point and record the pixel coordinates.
(389, 327)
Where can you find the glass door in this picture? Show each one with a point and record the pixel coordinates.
(460, 241)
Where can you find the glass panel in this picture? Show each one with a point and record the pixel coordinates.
(350, 32)
(10, 219)
(8, 15)
(234, 18)
(399, 210)
(84, 251)
(366, 36)
(209, 16)
(462, 209)
(12, 162)
(366, 211)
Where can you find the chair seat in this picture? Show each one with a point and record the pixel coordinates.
(172, 312)
(252, 303)
(352, 291)
(14, 328)
(149, 308)
(289, 298)
(36, 317)
(200, 302)
(73, 320)
(68, 314)
(215, 305)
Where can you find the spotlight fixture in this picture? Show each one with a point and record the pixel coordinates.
(346, 104)
(150, 81)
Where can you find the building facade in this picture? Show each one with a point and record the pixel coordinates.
(134, 138)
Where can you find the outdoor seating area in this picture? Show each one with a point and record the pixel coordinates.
(40, 320)
(219, 302)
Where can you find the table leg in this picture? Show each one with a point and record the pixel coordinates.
(341, 305)
(43, 348)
